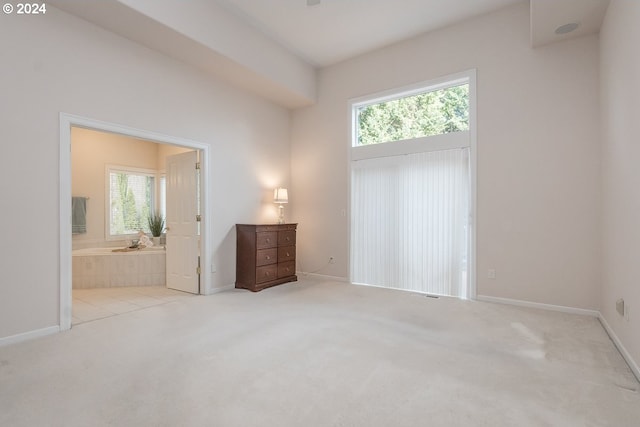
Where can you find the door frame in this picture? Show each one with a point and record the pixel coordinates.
(67, 121)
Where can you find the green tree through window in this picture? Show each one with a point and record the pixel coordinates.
(131, 199)
(426, 114)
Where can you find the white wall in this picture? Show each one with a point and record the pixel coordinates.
(59, 63)
(538, 154)
(209, 24)
(620, 105)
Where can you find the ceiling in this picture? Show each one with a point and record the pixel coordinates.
(335, 30)
(549, 15)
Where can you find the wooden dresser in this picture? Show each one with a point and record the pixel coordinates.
(265, 255)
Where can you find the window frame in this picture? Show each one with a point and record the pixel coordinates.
(111, 168)
(414, 91)
(161, 197)
(423, 144)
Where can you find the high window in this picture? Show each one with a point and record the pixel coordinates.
(428, 113)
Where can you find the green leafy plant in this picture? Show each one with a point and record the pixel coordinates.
(156, 224)
(425, 114)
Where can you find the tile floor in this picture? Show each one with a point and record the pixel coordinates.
(98, 303)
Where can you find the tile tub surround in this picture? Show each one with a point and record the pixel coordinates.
(103, 268)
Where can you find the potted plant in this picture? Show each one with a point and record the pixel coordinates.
(156, 225)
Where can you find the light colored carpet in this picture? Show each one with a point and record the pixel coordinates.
(319, 353)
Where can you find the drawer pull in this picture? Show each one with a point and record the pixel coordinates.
(288, 238)
(288, 254)
(267, 257)
(268, 240)
(267, 273)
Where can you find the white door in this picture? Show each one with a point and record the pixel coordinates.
(181, 223)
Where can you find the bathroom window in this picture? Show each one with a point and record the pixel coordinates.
(131, 198)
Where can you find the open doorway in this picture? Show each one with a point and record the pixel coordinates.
(120, 216)
(113, 168)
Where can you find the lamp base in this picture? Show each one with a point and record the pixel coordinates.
(280, 214)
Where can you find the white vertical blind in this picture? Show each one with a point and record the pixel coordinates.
(410, 216)
(162, 196)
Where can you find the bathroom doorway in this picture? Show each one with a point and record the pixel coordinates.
(98, 160)
(117, 184)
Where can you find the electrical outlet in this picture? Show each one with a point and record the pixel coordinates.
(491, 273)
(332, 260)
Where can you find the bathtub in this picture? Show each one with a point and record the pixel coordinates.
(103, 268)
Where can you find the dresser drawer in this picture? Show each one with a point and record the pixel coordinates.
(268, 239)
(266, 256)
(268, 227)
(286, 253)
(266, 273)
(286, 237)
(286, 269)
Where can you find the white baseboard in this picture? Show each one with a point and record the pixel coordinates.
(221, 289)
(621, 348)
(572, 310)
(302, 274)
(29, 335)
(529, 304)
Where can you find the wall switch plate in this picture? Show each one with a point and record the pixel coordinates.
(491, 273)
(620, 307)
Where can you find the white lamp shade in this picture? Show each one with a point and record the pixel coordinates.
(280, 195)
